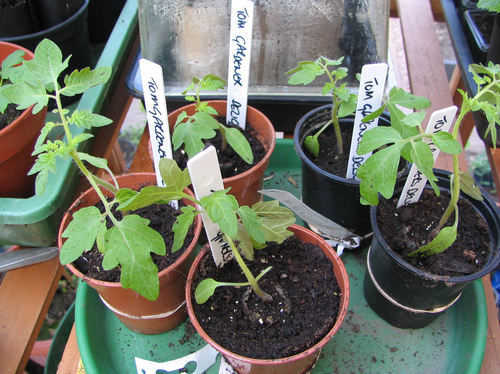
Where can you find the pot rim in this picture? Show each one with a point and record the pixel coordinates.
(169, 269)
(77, 14)
(344, 303)
(272, 140)
(490, 266)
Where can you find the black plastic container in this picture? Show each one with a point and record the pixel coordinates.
(71, 36)
(408, 297)
(331, 195)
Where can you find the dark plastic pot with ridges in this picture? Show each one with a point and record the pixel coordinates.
(331, 195)
(296, 364)
(135, 311)
(408, 297)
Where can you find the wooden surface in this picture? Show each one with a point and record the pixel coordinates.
(427, 77)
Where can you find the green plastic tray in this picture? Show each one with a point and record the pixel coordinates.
(454, 343)
(34, 221)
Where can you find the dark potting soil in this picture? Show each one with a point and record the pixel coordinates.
(305, 302)
(162, 218)
(328, 158)
(230, 163)
(409, 227)
(10, 114)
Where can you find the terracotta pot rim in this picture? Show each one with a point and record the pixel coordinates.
(170, 269)
(269, 151)
(344, 302)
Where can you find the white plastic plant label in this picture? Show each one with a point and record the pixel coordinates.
(225, 368)
(156, 112)
(440, 120)
(204, 359)
(238, 76)
(206, 178)
(157, 116)
(371, 92)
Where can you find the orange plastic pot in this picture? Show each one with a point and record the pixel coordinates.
(135, 311)
(299, 363)
(16, 143)
(244, 186)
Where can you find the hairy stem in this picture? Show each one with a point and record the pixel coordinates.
(248, 274)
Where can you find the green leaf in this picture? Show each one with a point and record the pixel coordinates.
(445, 142)
(441, 242)
(245, 243)
(414, 119)
(329, 62)
(203, 107)
(374, 114)
(376, 138)
(87, 120)
(239, 144)
(211, 82)
(221, 208)
(150, 195)
(41, 181)
(305, 73)
(98, 162)
(421, 155)
(46, 129)
(205, 289)
(327, 88)
(348, 107)
(25, 95)
(491, 5)
(378, 174)
(274, 220)
(130, 244)
(80, 81)
(9, 68)
(181, 226)
(191, 133)
(125, 194)
(251, 223)
(312, 144)
(81, 233)
(80, 138)
(469, 187)
(175, 179)
(401, 97)
(47, 64)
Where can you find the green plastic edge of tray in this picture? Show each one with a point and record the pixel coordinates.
(280, 160)
(59, 340)
(36, 209)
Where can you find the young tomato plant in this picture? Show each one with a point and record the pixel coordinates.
(129, 242)
(191, 130)
(405, 138)
(244, 228)
(343, 101)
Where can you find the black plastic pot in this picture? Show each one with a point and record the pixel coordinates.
(102, 18)
(408, 297)
(479, 40)
(333, 196)
(18, 18)
(71, 36)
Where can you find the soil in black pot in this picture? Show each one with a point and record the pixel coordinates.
(230, 162)
(305, 302)
(162, 218)
(10, 114)
(409, 227)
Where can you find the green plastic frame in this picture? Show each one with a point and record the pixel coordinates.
(34, 221)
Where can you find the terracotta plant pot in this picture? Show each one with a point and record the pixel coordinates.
(299, 363)
(408, 297)
(245, 185)
(16, 143)
(135, 311)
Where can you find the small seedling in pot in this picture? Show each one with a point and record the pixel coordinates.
(405, 138)
(191, 130)
(130, 240)
(343, 101)
(244, 228)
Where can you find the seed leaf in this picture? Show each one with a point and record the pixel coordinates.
(181, 226)
(239, 144)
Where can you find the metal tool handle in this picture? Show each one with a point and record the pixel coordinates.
(27, 256)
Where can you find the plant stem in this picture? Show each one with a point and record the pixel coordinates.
(248, 274)
(335, 107)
